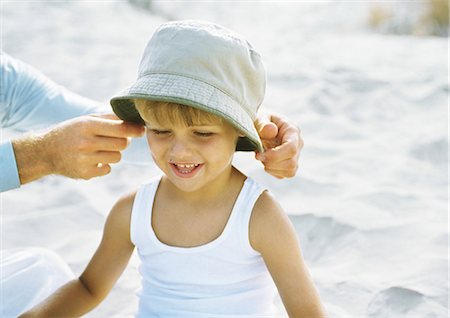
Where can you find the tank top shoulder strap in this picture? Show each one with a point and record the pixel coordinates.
(250, 193)
(142, 208)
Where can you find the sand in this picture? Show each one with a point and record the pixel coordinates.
(370, 200)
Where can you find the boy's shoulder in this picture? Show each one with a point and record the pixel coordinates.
(126, 200)
(266, 206)
(123, 206)
(267, 218)
(118, 222)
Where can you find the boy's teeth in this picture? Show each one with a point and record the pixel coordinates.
(189, 166)
(186, 168)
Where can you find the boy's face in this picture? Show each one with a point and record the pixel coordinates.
(192, 156)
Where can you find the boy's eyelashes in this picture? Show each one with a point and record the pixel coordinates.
(195, 132)
(159, 132)
(203, 133)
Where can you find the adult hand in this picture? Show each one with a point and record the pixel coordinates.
(282, 143)
(80, 148)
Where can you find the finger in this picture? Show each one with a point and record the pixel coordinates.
(286, 167)
(268, 131)
(290, 134)
(94, 170)
(99, 144)
(102, 170)
(286, 131)
(275, 173)
(261, 120)
(265, 127)
(277, 119)
(275, 130)
(281, 174)
(116, 128)
(288, 150)
(107, 157)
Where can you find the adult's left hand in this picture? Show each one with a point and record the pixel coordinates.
(282, 143)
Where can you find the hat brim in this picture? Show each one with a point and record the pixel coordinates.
(190, 92)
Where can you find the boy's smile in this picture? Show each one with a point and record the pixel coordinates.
(187, 170)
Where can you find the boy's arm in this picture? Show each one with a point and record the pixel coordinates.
(272, 234)
(81, 295)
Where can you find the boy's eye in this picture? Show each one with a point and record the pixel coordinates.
(159, 132)
(203, 133)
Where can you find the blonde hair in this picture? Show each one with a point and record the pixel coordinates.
(163, 113)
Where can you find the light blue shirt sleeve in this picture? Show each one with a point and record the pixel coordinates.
(29, 101)
(9, 176)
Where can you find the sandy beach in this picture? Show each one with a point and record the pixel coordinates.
(370, 200)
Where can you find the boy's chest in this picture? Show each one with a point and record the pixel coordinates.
(183, 226)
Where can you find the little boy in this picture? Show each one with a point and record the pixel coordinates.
(212, 242)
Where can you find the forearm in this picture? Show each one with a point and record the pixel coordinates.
(72, 300)
(32, 159)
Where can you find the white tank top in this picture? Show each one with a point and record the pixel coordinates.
(223, 278)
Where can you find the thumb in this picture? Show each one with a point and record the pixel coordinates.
(265, 127)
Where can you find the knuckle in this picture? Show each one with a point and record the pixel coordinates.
(273, 173)
(292, 165)
(291, 149)
(291, 173)
(80, 161)
(86, 173)
(82, 169)
(83, 144)
(121, 130)
(86, 176)
(84, 125)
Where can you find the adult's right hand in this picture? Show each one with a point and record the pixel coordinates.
(80, 148)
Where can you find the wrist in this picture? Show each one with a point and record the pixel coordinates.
(32, 157)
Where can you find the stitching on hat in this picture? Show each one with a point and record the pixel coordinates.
(167, 87)
(188, 93)
(247, 108)
(208, 102)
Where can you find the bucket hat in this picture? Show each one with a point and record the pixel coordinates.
(205, 66)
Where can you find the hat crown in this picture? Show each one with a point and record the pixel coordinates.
(209, 53)
(201, 65)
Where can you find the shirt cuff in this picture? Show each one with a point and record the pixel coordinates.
(9, 175)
